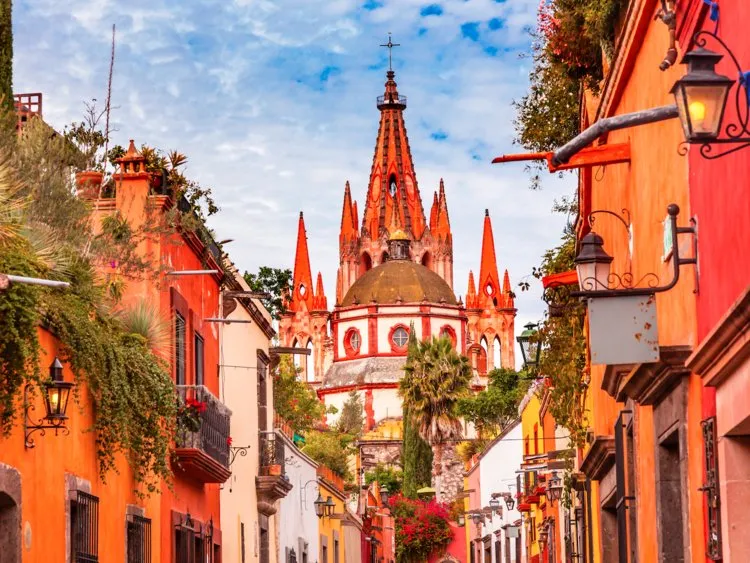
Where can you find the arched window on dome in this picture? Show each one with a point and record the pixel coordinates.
(384, 258)
(482, 360)
(365, 263)
(310, 362)
(496, 353)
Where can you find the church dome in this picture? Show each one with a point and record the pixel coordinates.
(399, 281)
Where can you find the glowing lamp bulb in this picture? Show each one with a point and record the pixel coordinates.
(697, 111)
(54, 399)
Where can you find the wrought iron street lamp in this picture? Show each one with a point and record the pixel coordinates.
(530, 348)
(702, 96)
(330, 506)
(554, 488)
(320, 506)
(55, 393)
(593, 263)
(509, 501)
(495, 506)
(384, 494)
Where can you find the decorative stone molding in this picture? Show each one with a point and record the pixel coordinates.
(649, 383)
(613, 376)
(726, 347)
(600, 458)
(270, 489)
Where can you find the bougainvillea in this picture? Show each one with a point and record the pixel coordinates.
(422, 528)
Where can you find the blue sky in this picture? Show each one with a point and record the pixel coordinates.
(274, 104)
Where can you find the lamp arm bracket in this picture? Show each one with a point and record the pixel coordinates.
(29, 426)
(631, 289)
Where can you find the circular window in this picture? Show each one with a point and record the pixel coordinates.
(489, 289)
(352, 342)
(400, 337)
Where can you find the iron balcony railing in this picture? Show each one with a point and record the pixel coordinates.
(271, 454)
(395, 101)
(212, 437)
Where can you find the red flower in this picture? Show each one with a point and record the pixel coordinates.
(229, 440)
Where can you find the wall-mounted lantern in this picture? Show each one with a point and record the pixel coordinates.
(509, 501)
(330, 506)
(702, 96)
(554, 488)
(595, 278)
(495, 506)
(530, 348)
(320, 506)
(384, 494)
(55, 393)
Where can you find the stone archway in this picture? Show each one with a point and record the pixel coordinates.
(10, 514)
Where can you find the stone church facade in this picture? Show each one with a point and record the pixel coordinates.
(395, 275)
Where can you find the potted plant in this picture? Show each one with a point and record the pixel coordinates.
(189, 415)
(88, 141)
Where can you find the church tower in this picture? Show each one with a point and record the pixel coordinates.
(393, 188)
(491, 311)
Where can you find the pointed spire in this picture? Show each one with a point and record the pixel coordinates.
(507, 291)
(355, 212)
(489, 282)
(320, 302)
(302, 274)
(348, 226)
(443, 227)
(471, 292)
(434, 212)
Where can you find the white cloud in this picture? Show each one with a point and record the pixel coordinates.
(236, 87)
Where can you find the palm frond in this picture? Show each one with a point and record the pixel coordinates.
(47, 247)
(12, 203)
(145, 318)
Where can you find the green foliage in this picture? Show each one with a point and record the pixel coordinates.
(416, 458)
(567, 53)
(352, 419)
(294, 400)
(387, 476)
(88, 138)
(495, 407)
(275, 282)
(6, 55)
(332, 449)
(435, 378)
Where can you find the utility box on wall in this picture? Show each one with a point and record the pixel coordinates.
(622, 330)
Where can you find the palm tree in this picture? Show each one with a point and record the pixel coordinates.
(436, 377)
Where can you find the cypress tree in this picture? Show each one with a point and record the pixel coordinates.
(6, 55)
(416, 458)
(416, 455)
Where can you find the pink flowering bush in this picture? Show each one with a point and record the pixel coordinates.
(421, 528)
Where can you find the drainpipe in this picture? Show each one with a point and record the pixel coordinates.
(607, 124)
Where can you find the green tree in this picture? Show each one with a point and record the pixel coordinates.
(435, 378)
(416, 458)
(494, 408)
(294, 400)
(330, 448)
(6, 54)
(275, 282)
(352, 420)
(390, 477)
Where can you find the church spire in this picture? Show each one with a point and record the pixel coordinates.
(320, 302)
(348, 219)
(442, 223)
(392, 171)
(302, 275)
(489, 281)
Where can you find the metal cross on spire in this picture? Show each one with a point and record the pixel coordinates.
(390, 46)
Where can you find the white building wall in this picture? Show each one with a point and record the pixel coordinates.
(361, 326)
(497, 474)
(296, 521)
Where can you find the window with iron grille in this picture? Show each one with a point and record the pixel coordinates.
(179, 349)
(139, 539)
(192, 543)
(711, 490)
(84, 528)
(198, 358)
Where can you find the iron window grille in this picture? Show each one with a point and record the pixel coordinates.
(621, 492)
(139, 539)
(198, 358)
(711, 490)
(179, 351)
(193, 542)
(84, 528)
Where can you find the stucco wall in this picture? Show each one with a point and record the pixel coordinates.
(240, 343)
(296, 519)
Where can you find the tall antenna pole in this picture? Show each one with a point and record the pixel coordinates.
(108, 106)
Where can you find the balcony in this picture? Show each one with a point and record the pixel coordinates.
(202, 444)
(391, 102)
(272, 483)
